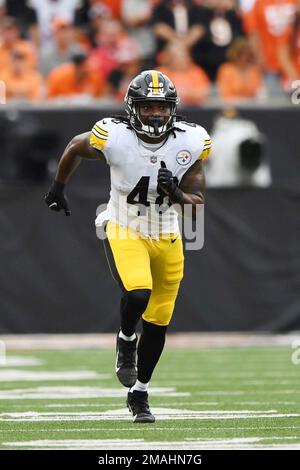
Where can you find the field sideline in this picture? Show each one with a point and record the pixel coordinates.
(233, 392)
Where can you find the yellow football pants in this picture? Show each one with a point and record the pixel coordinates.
(141, 263)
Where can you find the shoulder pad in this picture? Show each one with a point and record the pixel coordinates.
(100, 133)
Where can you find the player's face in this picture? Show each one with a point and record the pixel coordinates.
(156, 109)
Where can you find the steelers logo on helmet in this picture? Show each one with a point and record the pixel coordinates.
(151, 86)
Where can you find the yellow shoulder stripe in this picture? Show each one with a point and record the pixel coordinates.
(96, 141)
(204, 154)
(101, 131)
(206, 146)
(97, 134)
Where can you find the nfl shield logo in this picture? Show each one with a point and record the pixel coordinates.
(153, 159)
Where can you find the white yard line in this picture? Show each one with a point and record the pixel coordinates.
(77, 392)
(175, 403)
(230, 393)
(150, 429)
(202, 382)
(161, 414)
(95, 405)
(14, 375)
(20, 361)
(197, 444)
(162, 411)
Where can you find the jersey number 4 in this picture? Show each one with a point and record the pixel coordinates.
(139, 196)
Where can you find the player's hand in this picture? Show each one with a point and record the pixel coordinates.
(165, 180)
(56, 199)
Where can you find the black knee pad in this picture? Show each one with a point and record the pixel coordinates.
(138, 299)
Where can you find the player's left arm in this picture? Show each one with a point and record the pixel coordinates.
(192, 185)
(191, 188)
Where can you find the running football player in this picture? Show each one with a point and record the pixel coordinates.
(155, 163)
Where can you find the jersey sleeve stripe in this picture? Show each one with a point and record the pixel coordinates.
(101, 131)
(96, 142)
(100, 136)
(204, 154)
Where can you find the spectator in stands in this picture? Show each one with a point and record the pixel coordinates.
(22, 83)
(119, 79)
(289, 52)
(179, 20)
(111, 38)
(75, 81)
(240, 78)
(48, 10)
(10, 40)
(266, 22)
(23, 13)
(96, 14)
(190, 80)
(223, 26)
(61, 51)
(136, 15)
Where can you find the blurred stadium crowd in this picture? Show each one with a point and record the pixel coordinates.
(82, 50)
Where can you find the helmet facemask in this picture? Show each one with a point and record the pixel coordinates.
(151, 126)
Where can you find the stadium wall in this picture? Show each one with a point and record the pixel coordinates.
(41, 133)
(54, 277)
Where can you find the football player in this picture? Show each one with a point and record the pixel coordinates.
(155, 163)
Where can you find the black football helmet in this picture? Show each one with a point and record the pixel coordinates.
(151, 85)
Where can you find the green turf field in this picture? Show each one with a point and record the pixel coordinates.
(202, 399)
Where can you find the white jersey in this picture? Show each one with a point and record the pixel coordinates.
(134, 201)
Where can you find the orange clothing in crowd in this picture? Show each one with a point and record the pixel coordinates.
(192, 85)
(295, 52)
(234, 83)
(114, 6)
(62, 82)
(25, 47)
(26, 85)
(270, 19)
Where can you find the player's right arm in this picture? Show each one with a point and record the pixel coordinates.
(78, 148)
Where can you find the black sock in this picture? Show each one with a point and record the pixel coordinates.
(133, 305)
(150, 347)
